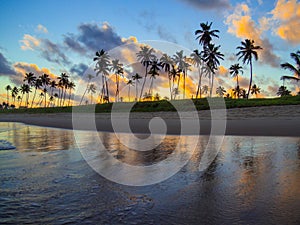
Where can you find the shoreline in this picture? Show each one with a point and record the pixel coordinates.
(254, 121)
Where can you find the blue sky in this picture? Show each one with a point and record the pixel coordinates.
(32, 31)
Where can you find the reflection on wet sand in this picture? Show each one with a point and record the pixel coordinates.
(253, 180)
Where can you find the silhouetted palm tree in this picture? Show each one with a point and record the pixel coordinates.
(63, 84)
(145, 56)
(129, 83)
(180, 61)
(102, 67)
(90, 77)
(136, 78)
(220, 91)
(197, 61)
(19, 100)
(205, 89)
(247, 51)
(7, 88)
(283, 91)
(37, 84)
(255, 90)
(205, 34)
(14, 93)
(173, 75)
(153, 72)
(235, 70)
(45, 82)
(92, 90)
(117, 68)
(24, 89)
(71, 87)
(166, 64)
(211, 56)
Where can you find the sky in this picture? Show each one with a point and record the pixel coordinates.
(62, 36)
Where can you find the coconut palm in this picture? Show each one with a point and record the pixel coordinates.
(129, 83)
(56, 97)
(145, 56)
(45, 80)
(247, 52)
(92, 90)
(30, 78)
(197, 61)
(220, 91)
(102, 67)
(71, 87)
(136, 78)
(14, 93)
(24, 89)
(294, 69)
(255, 90)
(37, 84)
(63, 84)
(19, 100)
(205, 34)
(153, 72)
(166, 64)
(53, 85)
(211, 57)
(117, 68)
(205, 89)
(7, 88)
(235, 70)
(90, 77)
(180, 61)
(283, 91)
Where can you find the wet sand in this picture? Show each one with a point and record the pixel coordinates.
(254, 121)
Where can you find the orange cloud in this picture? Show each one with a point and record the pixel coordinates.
(241, 24)
(41, 28)
(29, 42)
(286, 15)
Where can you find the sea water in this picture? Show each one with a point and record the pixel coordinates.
(253, 180)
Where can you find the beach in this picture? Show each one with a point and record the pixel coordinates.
(250, 121)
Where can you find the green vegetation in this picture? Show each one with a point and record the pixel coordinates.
(161, 106)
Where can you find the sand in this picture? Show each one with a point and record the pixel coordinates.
(254, 121)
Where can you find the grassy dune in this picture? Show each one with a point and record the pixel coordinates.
(158, 106)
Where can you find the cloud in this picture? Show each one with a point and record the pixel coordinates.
(207, 5)
(42, 29)
(94, 37)
(72, 44)
(29, 42)
(79, 69)
(5, 68)
(21, 68)
(53, 52)
(165, 35)
(241, 24)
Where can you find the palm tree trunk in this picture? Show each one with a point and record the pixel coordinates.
(250, 83)
(22, 99)
(107, 91)
(212, 85)
(45, 99)
(136, 90)
(199, 83)
(170, 87)
(84, 93)
(129, 92)
(33, 98)
(70, 94)
(184, 74)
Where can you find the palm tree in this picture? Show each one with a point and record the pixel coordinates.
(205, 89)
(63, 83)
(283, 91)
(45, 95)
(153, 72)
(235, 70)
(205, 34)
(295, 69)
(255, 90)
(24, 89)
(182, 65)
(173, 75)
(92, 90)
(129, 83)
(145, 56)
(37, 84)
(29, 78)
(118, 69)
(136, 78)
(71, 86)
(197, 61)
(56, 97)
(166, 64)
(19, 99)
(211, 56)
(156, 97)
(51, 99)
(247, 51)
(220, 91)
(7, 88)
(45, 80)
(53, 85)
(102, 67)
(90, 77)
(14, 93)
